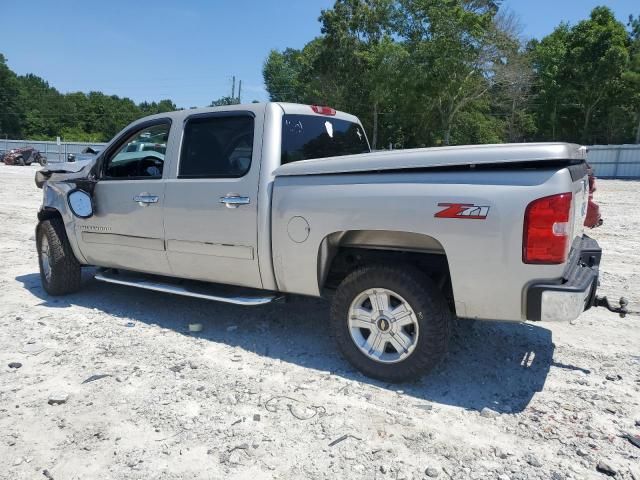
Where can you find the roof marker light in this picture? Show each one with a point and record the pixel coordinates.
(323, 110)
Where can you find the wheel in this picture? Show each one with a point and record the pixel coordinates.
(42, 160)
(391, 322)
(59, 268)
(20, 161)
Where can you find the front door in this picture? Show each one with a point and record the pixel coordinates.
(211, 206)
(126, 230)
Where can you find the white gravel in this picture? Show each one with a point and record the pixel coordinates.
(261, 393)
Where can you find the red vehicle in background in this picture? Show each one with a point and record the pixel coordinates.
(24, 156)
(593, 218)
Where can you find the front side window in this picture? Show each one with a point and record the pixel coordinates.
(311, 136)
(217, 147)
(141, 155)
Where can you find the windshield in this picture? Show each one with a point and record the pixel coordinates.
(309, 136)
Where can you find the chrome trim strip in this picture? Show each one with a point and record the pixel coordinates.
(241, 252)
(123, 240)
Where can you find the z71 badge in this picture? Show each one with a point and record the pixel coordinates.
(463, 210)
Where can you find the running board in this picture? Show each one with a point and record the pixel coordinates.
(189, 288)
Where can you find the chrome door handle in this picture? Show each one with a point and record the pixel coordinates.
(233, 200)
(145, 199)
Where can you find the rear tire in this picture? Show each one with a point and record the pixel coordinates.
(411, 322)
(20, 161)
(60, 271)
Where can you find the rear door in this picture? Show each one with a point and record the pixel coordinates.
(211, 205)
(126, 230)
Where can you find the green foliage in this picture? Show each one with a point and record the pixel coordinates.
(417, 73)
(31, 108)
(11, 110)
(281, 74)
(584, 81)
(222, 101)
(431, 72)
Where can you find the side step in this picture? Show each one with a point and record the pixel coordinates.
(189, 288)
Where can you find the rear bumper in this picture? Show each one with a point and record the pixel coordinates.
(565, 299)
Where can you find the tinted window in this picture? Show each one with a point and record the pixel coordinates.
(307, 136)
(219, 146)
(141, 155)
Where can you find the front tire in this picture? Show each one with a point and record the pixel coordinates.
(60, 272)
(391, 322)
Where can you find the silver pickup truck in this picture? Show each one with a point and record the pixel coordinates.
(246, 203)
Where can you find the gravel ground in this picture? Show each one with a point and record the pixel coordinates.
(112, 384)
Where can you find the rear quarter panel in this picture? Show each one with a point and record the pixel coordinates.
(484, 255)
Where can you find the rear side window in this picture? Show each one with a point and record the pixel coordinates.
(310, 136)
(217, 147)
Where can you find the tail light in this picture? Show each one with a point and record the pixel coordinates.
(547, 230)
(323, 110)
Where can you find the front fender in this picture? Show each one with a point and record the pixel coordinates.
(54, 203)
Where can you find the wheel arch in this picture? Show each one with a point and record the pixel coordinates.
(47, 213)
(341, 252)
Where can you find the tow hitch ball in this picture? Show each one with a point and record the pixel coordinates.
(621, 310)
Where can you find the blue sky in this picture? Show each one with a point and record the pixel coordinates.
(188, 50)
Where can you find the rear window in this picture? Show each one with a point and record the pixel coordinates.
(307, 136)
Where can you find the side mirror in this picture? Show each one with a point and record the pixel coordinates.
(80, 203)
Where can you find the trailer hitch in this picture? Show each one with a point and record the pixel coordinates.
(604, 302)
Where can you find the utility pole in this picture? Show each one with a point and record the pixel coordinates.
(240, 92)
(233, 88)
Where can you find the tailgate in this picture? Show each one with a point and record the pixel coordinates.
(580, 200)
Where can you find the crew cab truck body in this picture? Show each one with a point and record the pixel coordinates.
(248, 202)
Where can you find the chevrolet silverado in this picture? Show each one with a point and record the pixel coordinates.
(247, 203)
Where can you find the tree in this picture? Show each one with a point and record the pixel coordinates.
(452, 47)
(596, 58)
(222, 101)
(631, 77)
(549, 59)
(45, 112)
(281, 73)
(581, 82)
(157, 107)
(11, 111)
(360, 59)
(31, 108)
(513, 79)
